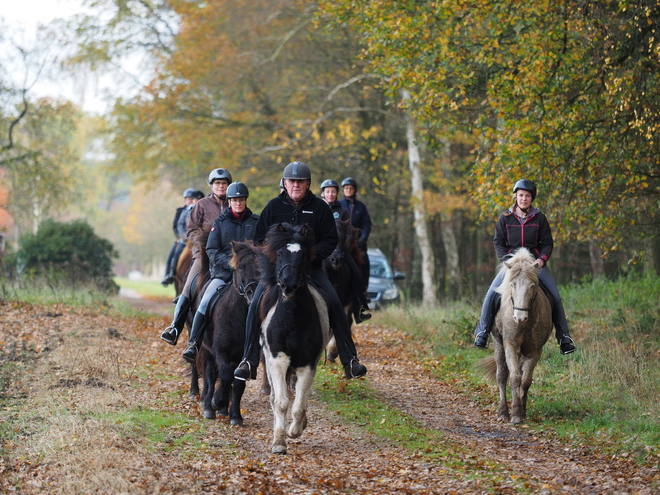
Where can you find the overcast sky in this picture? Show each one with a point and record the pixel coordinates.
(22, 17)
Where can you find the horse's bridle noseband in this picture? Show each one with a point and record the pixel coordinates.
(531, 301)
(243, 289)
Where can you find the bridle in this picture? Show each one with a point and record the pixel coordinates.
(243, 289)
(531, 301)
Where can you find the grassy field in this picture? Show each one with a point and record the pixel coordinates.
(146, 288)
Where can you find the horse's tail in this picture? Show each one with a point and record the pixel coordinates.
(488, 367)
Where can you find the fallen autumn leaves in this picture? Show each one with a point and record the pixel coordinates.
(96, 403)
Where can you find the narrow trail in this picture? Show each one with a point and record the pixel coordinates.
(62, 448)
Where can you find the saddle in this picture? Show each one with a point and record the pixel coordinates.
(216, 296)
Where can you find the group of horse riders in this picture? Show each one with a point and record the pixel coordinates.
(223, 216)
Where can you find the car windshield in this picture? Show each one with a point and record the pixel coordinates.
(379, 268)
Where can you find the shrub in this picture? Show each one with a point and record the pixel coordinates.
(69, 253)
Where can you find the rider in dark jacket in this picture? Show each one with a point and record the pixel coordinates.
(180, 238)
(360, 219)
(523, 225)
(298, 206)
(199, 225)
(329, 190)
(237, 223)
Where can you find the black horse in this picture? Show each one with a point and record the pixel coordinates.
(342, 277)
(222, 348)
(295, 326)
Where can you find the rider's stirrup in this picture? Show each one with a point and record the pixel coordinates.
(566, 345)
(170, 335)
(244, 372)
(481, 340)
(190, 354)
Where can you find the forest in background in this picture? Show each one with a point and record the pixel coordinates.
(563, 93)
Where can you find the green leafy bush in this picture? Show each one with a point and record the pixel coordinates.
(66, 253)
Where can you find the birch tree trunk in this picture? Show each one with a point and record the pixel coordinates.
(421, 228)
(449, 226)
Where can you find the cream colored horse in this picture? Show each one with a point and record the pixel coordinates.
(522, 327)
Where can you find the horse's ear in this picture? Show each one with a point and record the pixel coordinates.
(280, 228)
(304, 231)
(507, 263)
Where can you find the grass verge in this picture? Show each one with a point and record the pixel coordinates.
(603, 396)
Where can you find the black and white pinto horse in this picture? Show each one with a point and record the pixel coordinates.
(295, 327)
(222, 349)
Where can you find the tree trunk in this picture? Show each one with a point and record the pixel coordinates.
(597, 264)
(421, 228)
(449, 224)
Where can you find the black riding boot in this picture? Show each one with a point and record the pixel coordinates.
(196, 337)
(171, 334)
(566, 344)
(168, 279)
(361, 299)
(488, 311)
(247, 368)
(361, 312)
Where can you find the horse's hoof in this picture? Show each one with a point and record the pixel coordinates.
(265, 391)
(209, 414)
(236, 421)
(516, 420)
(193, 396)
(503, 418)
(278, 449)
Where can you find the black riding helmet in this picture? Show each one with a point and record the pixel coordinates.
(219, 173)
(197, 195)
(237, 190)
(297, 171)
(349, 181)
(526, 185)
(329, 183)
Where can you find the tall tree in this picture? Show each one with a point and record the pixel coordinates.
(563, 92)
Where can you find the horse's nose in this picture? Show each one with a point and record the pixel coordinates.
(519, 317)
(287, 289)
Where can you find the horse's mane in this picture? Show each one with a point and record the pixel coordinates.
(278, 236)
(343, 228)
(521, 264)
(240, 250)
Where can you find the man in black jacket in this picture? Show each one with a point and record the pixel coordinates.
(298, 206)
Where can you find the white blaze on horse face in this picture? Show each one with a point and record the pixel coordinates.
(293, 248)
(521, 296)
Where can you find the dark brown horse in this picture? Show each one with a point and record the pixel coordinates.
(341, 276)
(522, 327)
(222, 349)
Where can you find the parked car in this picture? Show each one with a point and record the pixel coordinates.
(382, 287)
